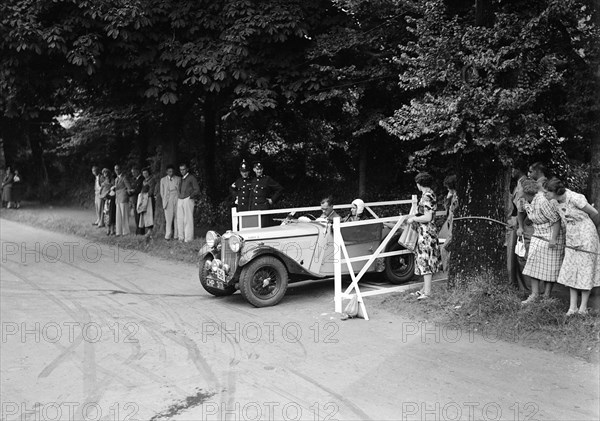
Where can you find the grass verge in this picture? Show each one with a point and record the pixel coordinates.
(77, 222)
(495, 311)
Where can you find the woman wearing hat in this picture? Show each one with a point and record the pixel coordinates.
(357, 211)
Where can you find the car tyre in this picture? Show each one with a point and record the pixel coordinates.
(253, 277)
(399, 269)
(212, 290)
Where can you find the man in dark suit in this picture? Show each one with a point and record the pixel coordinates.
(122, 190)
(136, 189)
(265, 192)
(241, 188)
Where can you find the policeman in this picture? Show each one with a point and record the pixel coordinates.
(265, 192)
(241, 188)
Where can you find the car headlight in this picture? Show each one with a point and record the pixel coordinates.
(235, 243)
(216, 264)
(212, 239)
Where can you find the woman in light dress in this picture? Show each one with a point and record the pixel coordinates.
(580, 270)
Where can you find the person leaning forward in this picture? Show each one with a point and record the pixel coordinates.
(188, 190)
(265, 192)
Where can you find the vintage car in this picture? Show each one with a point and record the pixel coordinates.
(260, 262)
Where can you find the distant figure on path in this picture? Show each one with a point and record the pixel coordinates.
(7, 185)
(169, 193)
(17, 192)
(188, 190)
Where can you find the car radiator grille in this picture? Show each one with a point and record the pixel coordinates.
(230, 258)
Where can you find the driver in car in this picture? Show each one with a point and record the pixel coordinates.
(327, 208)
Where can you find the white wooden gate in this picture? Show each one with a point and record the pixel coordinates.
(341, 256)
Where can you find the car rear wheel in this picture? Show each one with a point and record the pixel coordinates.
(264, 281)
(399, 269)
(203, 274)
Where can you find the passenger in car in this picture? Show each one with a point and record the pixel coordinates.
(356, 212)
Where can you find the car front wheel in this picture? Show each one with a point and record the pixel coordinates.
(204, 268)
(264, 281)
(399, 269)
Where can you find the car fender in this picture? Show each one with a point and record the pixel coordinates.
(206, 251)
(291, 265)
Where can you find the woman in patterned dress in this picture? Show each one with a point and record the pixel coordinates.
(543, 262)
(428, 259)
(580, 270)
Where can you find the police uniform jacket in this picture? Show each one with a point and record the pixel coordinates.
(241, 190)
(264, 188)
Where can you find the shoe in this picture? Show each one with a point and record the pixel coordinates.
(531, 299)
(416, 293)
(583, 312)
(345, 316)
(422, 297)
(571, 312)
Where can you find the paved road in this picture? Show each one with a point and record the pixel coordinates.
(92, 332)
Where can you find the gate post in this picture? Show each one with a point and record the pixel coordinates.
(234, 219)
(415, 204)
(337, 264)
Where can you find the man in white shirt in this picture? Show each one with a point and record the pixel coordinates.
(169, 193)
(188, 190)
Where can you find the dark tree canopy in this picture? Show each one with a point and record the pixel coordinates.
(333, 95)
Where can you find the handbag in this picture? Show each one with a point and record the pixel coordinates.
(408, 238)
(520, 249)
(352, 307)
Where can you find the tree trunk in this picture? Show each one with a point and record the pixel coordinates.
(209, 140)
(478, 245)
(362, 167)
(142, 141)
(594, 183)
(170, 132)
(37, 151)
